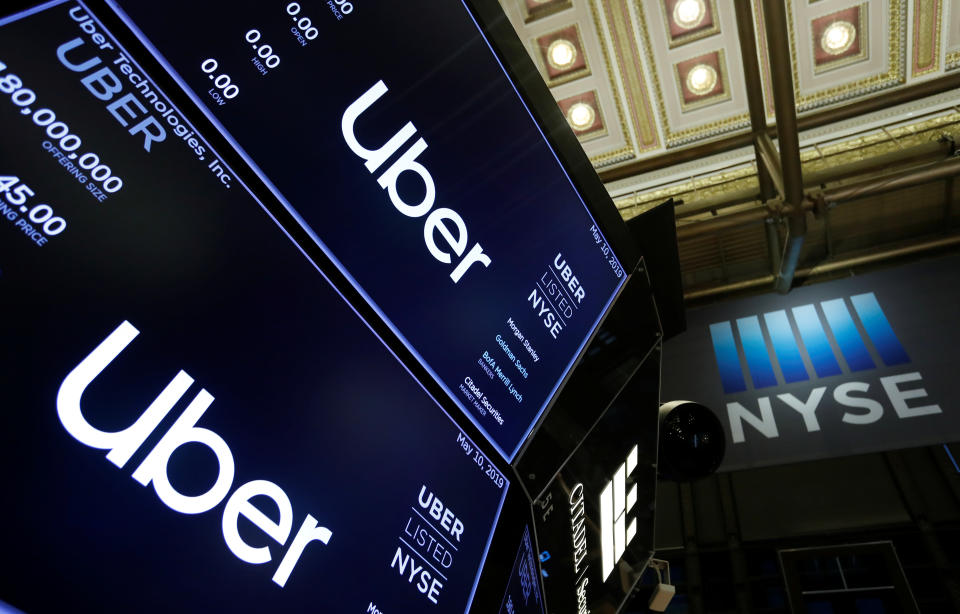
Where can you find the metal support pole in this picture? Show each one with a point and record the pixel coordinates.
(691, 550)
(751, 72)
(773, 244)
(788, 138)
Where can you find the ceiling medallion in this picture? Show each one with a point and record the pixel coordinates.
(838, 37)
(701, 79)
(689, 13)
(581, 116)
(561, 54)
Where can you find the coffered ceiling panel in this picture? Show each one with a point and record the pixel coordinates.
(571, 50)
(584, 116)
(651, 76)
(680, 74)
(702, 80)
(843, 49)
(561, 55)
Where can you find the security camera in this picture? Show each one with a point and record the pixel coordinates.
(692, 442)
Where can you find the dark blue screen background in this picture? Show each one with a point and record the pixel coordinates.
(488, 160)
(305, 395)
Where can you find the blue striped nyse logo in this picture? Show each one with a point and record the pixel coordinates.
(809, 332)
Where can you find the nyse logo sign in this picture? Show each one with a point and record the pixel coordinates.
(615, 504)
(812, 342)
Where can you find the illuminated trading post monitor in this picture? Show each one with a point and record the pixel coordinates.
(286, 287)
(399, 143)
(194, 419)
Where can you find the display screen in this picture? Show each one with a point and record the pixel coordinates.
(397, 140)
(523, 591)
(193, 419)
(594, 520)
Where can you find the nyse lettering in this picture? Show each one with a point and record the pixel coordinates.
(443, 221)
(123, 444)
(414, 572)
(544, 310)
(865, 398)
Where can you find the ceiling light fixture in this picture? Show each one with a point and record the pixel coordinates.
(581, 116)
(701, 79)
(561, 54)
(689, 13)
(838, 37)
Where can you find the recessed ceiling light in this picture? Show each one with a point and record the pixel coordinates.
(701, 79)
(561, 54)
(689, 13)
(838, 37)
(581, 115)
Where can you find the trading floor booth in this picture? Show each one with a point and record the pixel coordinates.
(311, 306)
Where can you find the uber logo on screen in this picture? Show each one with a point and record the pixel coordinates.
(615, 502)
(444, 221)
(816, 336)
(123, 444)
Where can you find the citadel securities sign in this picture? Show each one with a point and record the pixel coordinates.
(844, 367)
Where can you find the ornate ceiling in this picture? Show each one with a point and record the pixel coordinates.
(657, 93)
(639, 78)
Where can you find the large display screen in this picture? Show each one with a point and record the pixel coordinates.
(193, 419)
(594, 520)
(398, 141)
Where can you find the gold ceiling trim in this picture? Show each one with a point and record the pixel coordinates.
(879, 143)
(629, 151)
(628, 57)
(927, 20)
(813, 160)
(612, 157)
(896, 60)
(704, 187)
(953, 60)
(681, 137)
